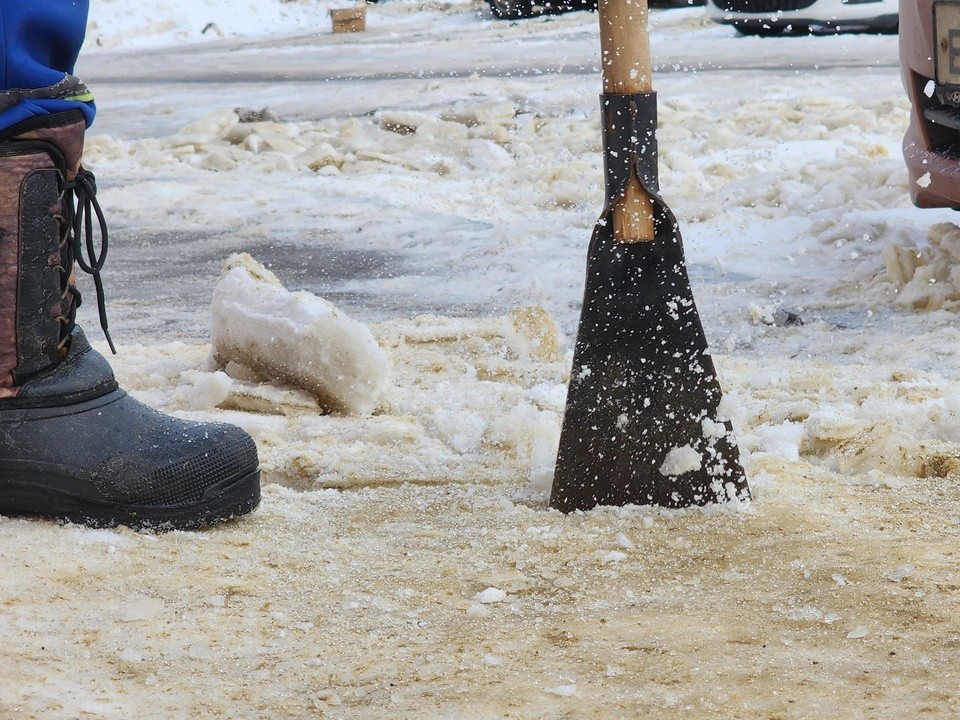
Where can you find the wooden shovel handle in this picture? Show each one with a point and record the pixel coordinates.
(625, 60)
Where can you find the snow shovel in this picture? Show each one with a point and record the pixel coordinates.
(642, 424)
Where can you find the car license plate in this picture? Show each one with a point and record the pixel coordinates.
(946, 21)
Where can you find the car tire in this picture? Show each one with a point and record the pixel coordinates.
(511, 9)
(766, 30)
(562, 6)
(751, 30)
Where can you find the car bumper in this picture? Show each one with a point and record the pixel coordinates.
(931, 149)
(934, 178)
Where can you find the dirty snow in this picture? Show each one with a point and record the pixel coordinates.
(404, 564)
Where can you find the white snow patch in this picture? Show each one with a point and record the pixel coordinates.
(680, 460)
(782, 440)
(490, 596)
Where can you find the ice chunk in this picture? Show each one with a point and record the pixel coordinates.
(297, 338)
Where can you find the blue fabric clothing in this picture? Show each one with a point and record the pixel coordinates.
(40, 41)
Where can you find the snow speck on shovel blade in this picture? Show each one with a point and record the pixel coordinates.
(681, 460)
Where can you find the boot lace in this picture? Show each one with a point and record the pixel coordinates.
(78, 244)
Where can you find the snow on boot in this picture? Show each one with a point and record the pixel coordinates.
(73, 445)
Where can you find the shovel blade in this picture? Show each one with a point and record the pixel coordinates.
(642, 423)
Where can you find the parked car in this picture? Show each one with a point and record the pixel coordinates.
(516, 9)
(772, 17)
(930, 67)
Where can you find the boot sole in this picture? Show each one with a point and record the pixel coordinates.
(229, 499)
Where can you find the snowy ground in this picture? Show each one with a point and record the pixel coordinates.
(404, 564)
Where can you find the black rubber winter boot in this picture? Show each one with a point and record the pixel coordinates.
(73, 445)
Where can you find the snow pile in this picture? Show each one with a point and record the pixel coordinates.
(861, 168)
(471, 139)
(476, 160)
(928, 278)
(261, 330)
(903, 424)
(471, 401)
(702, 158)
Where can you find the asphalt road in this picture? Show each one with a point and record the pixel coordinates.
(383, 54)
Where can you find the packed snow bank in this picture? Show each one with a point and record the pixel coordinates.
(126, 24)
(262, 331)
